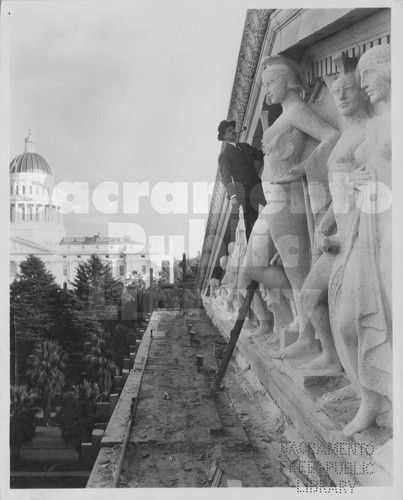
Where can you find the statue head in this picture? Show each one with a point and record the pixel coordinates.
(231, 247)
(374, 68)
(223, 261)
(281, 74)
(347, 93)
(214, 283)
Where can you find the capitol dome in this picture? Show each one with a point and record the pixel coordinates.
(29, 161)
(36, 213)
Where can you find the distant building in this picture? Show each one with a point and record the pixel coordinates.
(36, 227)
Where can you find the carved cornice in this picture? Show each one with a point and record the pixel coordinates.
(251, 45)
(253, 37)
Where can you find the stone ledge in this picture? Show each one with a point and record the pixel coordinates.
(116, 429)
(346, 461)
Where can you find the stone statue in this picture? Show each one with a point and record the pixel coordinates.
(360, 284)
(351, 103)
(228, 294)
(283, 221)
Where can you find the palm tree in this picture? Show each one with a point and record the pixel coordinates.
(45, 371)
(98, 357)
(78, 412)
(22, 417)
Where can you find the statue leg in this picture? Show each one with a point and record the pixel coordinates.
(260, 251)
(291, 238)
(258, 307)
(315, 308)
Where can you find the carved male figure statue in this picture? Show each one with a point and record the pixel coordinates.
(283, 220)
(351, 102)
(360, 285)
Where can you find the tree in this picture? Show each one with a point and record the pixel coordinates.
(77, 414)
(68, 323)
(22, 418)
(119, 344)
(33, 297)
(45, 370)
(99, 293)
(98, 357)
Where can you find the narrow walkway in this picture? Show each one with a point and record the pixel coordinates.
(179, 431)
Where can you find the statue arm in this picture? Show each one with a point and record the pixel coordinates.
(328, 223)
(307, 121)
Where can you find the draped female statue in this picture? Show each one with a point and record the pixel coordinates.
(360, 284)
(351, 103)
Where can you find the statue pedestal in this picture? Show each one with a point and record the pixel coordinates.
(362, 461)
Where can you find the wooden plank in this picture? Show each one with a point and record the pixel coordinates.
(217, 478)
(234, 335)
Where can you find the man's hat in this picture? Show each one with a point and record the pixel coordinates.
(223, 127)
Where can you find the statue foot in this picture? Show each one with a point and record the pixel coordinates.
(249, 325)
(325, 363)
(367, 415)
(346, 393)
(330, 242)
(260, 333)
(358, 424)
(300, 348)
(385, 420)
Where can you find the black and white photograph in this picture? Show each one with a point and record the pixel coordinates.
(203, 274)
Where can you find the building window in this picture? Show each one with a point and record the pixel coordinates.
(143, 255)
(30, 189)
(64, 256)
(23, 189)
(65, 269)
(107, 256)
(64, 286)
(16, 189)
(11, 189)
(78, 256)
(143, 269)
(122, 269)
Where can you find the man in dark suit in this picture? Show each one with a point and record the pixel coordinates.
(239, 175)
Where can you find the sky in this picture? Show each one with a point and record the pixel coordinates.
(123, 92)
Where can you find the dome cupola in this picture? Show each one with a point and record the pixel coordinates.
(29, 161)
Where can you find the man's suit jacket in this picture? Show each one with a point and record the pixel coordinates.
(239, 175)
